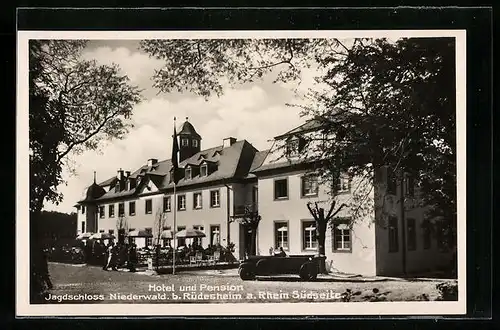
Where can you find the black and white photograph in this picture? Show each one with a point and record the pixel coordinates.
(241, 172)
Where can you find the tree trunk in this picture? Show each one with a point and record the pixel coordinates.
(157, 252)
(321, 245)
(38, 264)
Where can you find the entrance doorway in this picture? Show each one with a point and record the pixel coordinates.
(250, 249)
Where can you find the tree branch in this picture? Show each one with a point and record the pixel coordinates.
(339, 209)
(88, 137)
(331, 210)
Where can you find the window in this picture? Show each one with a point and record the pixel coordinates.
(309, 185)
(181, 202)
(181, 241)
(393, 234)
(131, 208)
(292, 147)
(281, 189)
(391, 182)
(111, 211)
(101, 212)
(411, 233)
(166, 204)
(214, 235)
(341, 237)
(309, 241)
(197, 200)
(343, 183)
(188, 173)
(184, 142)
(281, 234)
(195, 143)
(83, 226)
(117, 187)
(204, 170)
(111, 231)
(426, 226)
(83, 209)
(121, 209)
(214, 198)
(198, 240)
(409, 186)
(149, 206)
(149, 240)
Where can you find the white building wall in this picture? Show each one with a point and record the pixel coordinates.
(207, 216)
(361, 260)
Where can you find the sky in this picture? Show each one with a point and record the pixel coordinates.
(256, 112)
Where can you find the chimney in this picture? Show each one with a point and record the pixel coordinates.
(119, 174)
(152, 161)
(227, 142)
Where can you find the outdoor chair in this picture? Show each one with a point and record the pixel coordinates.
(199, 258)
(192, 260)
(215, 258)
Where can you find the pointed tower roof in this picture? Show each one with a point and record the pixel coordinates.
(94, 191)
(188, 129)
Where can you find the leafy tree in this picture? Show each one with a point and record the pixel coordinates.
(393, 103)
(384, 103)
(74, 105)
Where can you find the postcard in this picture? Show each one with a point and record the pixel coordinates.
(240, 173)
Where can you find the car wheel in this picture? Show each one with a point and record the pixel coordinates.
(308, 272)
(246, 273)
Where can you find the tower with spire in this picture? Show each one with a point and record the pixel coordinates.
(189, 141)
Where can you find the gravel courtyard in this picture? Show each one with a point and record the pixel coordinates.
(91, 284)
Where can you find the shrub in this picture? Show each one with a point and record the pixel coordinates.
(448, 291)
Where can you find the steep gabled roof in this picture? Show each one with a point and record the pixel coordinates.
(233, 162)
(108, 182)
(259, 159)
(309, 126)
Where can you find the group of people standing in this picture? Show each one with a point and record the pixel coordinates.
(112, 256)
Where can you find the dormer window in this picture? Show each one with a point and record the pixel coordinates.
(195, 143)
(184, 142)
(204, 170)
(117, 187)
(132, 183)
(292, 147)
(188, 173)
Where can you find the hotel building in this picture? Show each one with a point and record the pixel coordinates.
(220, 181)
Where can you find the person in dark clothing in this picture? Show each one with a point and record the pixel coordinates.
(111, 256)
(280, 252)
(132, 257)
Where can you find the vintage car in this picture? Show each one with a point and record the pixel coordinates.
(306, 266)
